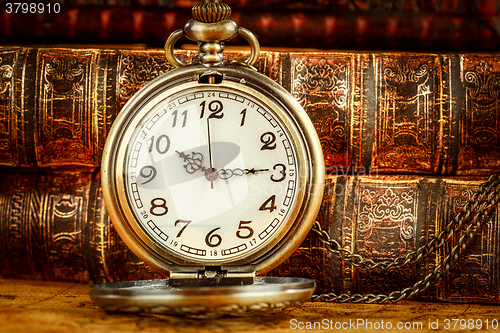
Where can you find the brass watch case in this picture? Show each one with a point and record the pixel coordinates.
(193, 287)
(237, 77)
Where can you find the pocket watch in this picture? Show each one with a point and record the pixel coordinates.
(213, 175)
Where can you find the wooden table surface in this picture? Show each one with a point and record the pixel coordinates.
(36, 306)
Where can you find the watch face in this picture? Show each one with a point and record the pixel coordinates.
(204, 174)
(211, 173)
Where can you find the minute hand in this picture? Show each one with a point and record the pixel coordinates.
(228, 173)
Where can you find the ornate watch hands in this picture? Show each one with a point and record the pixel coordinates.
(228, 173)
(193, 162)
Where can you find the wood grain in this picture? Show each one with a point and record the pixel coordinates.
(39, 306)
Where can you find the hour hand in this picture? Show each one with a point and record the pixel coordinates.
(192, 162)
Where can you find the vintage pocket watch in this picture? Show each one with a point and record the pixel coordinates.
(213, 175)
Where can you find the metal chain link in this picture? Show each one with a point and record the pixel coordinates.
(478, 209)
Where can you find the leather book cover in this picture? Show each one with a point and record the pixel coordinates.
(54, 226)
(424, 25)
(414, 113)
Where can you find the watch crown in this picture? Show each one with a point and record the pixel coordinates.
(211, 27)
(210, 12)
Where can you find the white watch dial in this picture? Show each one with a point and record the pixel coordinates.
(211, 174)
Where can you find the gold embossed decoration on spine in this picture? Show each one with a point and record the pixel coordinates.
(466, 224)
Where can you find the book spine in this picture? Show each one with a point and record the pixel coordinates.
(447, 6)
(383, 217)
(374, 112)
(401, 112)
(54, 226)
(281, 27)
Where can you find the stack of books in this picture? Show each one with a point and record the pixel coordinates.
(407, 136)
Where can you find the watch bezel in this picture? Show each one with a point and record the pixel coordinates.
(311, 176)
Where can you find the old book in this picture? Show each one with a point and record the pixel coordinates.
(373, 28)
(382, 217)
(415, 113)
(54, 226)
(446, 6)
